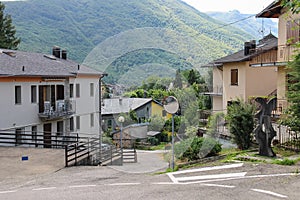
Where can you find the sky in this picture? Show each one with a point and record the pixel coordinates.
(244, 6)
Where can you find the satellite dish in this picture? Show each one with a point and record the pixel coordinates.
(171, 104)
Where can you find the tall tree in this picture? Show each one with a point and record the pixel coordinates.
(8, 40)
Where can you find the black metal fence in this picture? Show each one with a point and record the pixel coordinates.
(36, 139)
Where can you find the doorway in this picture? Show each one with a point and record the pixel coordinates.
(47, 135)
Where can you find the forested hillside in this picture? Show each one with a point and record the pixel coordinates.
(80, 25)
(255, 26)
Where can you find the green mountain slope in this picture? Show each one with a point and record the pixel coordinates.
(81, 25)
(253, 26)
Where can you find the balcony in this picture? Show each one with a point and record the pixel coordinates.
(59, 110)
(215, 91)
(286, 52)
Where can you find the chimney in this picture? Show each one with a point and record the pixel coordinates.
(247, 47)
(120, 101)
(56, 51)
(64, 54)
(253, 44)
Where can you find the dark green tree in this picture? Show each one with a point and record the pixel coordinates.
(240, 118)
(293, 5)
(8, 40)
(178, 80)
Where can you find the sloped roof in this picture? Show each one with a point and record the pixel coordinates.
(271, 11)
(123, 105)
(28, 64)
(269, 42)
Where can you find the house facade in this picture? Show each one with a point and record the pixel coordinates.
(144, 108)
(288, 34)
(48, 94)
(234, 76)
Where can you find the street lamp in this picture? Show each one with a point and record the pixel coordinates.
(121, 119)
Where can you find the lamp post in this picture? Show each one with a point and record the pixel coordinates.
(121, 119)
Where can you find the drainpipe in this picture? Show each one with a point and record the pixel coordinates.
(67, 106)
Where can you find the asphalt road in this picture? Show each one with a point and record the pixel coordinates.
(235, 181)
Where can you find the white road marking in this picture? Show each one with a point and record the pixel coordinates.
(163, 183)
(123, 184)
(48, 188)
(217, 185)
(81, 186)
(208, 168)
(213, 176)
(173, 179)
(6, 192)
(269, 192)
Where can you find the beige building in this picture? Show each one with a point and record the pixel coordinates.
(288, 34)
(239, 75)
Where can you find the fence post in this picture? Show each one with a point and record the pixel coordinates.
(66, 155)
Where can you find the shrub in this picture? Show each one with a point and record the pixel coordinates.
(201, 147)
(240, 120)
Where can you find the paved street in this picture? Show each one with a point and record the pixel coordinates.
(228, 181)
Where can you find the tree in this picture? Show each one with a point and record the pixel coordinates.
(240, 119)
(7, 31)
(293, 5)
(178, 80)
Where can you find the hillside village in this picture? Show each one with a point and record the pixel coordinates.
(51, 101)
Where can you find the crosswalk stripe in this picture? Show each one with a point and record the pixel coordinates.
(213, 176)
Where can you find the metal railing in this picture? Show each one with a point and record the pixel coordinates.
(62, 108)
(87, 152)
(39, 139)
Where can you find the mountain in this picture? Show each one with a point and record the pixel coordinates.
(101, 32)
(254, 26)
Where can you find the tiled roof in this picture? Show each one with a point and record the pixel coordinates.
(267, 43)
(28, 64)
(123, 105)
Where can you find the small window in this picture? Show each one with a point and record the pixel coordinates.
(91, 89)
(78, 122)
(77, 90)
(92, 119)
(34, 133)
(72, 124)
(33, 94)
(164, 113)
(71, 90)
(234, 77)
(17, 94)
(59, 128)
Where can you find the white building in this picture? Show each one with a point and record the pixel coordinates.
(48, 94)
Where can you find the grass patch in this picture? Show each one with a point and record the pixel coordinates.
(285, 162)
(283, 152)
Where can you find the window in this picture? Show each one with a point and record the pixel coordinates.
(33, 94)
(19, 132)
(78, 122)
(71, 90)
(91, 89)
(92, 119)
(109, 123)
(72, 124)
(164, 113)
(59, 128)
(293, 31)
(77, 90)
(17, 94)
(234, 77)
(34, 133)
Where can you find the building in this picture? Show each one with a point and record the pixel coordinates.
(288, 34)
(48, 94)
(143, 107)
(239, 75)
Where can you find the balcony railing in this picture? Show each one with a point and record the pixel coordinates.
(215, 91)
(62, 109)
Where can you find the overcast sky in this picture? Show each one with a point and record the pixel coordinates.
(244, 6)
